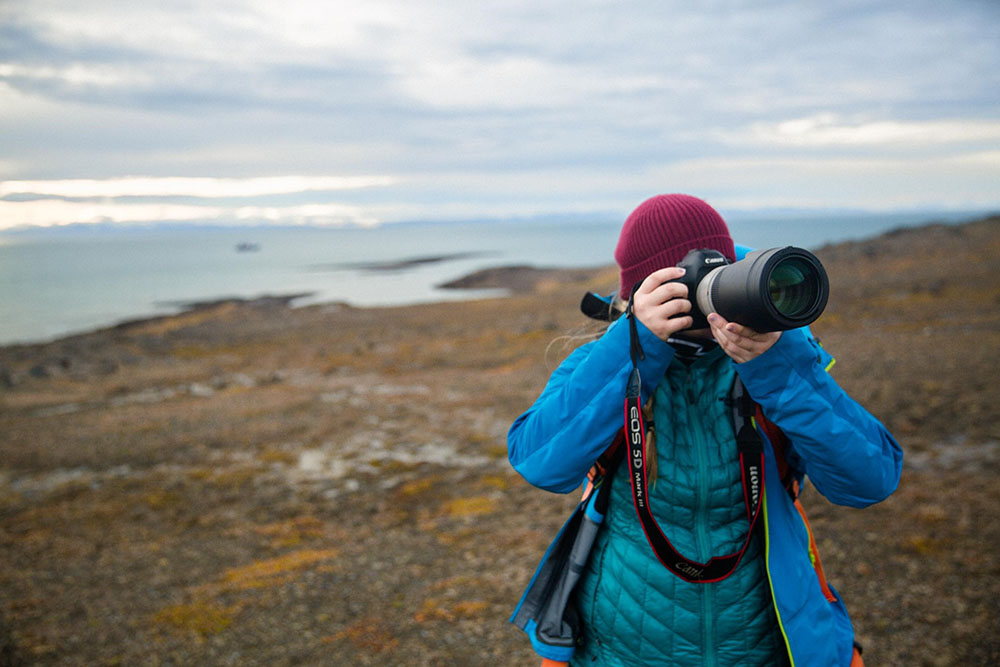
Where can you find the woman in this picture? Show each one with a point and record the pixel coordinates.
(773, 608)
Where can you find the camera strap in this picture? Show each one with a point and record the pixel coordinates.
(751, 455)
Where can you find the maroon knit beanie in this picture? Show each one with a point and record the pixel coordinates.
(662, 230)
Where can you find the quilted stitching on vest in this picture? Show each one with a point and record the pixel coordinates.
(635, 611)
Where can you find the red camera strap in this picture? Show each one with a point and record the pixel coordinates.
(751, 455)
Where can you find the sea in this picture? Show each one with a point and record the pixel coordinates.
(59, 282)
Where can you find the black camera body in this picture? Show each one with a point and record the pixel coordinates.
(769, 290)
(697, 264)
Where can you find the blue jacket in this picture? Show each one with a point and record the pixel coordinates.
(846, 453)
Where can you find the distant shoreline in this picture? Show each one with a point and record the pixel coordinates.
(400, 264)
(494, 282)
(430, 271)
(518, 277)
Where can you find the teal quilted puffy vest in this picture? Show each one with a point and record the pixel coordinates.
(634, 611)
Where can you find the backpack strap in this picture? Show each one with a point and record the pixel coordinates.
(779, 442)
(605, 465)
(745, 410)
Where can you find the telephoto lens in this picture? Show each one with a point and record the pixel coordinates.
(769, 290)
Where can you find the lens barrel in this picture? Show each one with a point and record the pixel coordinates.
(768, 290)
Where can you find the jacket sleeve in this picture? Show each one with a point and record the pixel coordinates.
(846, 452)
(575, 418)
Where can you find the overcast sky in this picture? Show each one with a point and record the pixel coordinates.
(375, 110)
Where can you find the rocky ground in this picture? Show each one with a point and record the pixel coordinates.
(251, 484)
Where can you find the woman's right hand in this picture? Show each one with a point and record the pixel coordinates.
(658, 303)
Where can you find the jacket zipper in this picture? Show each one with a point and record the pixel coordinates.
(701, 535)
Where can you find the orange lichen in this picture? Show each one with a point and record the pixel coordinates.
(202, 617)
(274, 571)
(367, 635)
(469, 507)
(434, 609)
(285, 534)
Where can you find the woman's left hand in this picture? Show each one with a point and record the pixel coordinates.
(739, 342)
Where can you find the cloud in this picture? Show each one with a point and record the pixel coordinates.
(829, 130)
(50, 213)
(73, 74)
(481, 103)
(61, 202)
(965, 181)
(674, 57)
(189, 187)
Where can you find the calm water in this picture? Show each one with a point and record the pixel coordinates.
(54, 283)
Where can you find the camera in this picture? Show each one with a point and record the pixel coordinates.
(769, 290)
